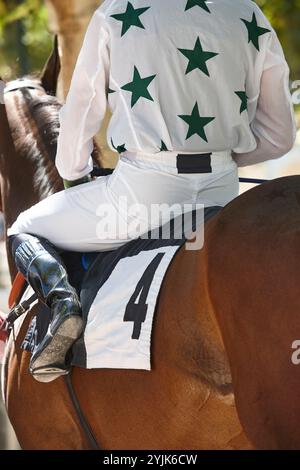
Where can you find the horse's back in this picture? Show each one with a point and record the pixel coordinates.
(185, 402)
(253, 251)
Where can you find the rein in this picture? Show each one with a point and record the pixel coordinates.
(252, 180)
(82, 419)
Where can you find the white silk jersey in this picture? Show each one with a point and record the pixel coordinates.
(186, 76)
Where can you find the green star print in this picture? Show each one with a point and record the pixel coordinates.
(119, 148)
(199, 3)
(197, 58)
(196, 123)
(163, 147)
(131, 17)
(254, 31)
(139, 87)
(244, 100)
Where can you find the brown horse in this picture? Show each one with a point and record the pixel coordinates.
(226, 319)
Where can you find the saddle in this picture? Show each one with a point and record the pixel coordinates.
(139, 267)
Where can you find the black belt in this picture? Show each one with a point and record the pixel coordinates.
(195, 163)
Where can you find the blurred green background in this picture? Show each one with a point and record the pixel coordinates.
(25, 40)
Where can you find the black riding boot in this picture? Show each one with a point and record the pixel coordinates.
(44, 270)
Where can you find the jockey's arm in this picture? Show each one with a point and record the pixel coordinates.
(82, 114)
(274, 126)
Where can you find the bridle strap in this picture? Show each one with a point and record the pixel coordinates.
(16, 85)
(82, 419)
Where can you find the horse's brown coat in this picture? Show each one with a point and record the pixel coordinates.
(185, 402)
(253, 272)
(241, 291)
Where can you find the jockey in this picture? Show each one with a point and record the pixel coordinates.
(196, 88)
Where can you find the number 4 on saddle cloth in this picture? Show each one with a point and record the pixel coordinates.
(119, 291)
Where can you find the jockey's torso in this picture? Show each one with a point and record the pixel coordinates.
(183, 74)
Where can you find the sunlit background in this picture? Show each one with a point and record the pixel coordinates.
(27, 28)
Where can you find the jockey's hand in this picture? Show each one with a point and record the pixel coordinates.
(71, 184)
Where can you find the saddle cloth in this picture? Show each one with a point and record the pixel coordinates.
(119, 292)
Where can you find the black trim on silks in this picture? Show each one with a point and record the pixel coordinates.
(101, 171)
(193, 164)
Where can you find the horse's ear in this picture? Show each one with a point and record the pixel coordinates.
(49, 76)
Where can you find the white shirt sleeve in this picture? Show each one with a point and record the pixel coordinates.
(81, 116)
(274, 126)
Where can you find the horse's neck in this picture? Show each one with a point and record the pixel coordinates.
(16, 195)
(21, 181)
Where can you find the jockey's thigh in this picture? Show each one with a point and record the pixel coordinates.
(69, 219)
(107, 213)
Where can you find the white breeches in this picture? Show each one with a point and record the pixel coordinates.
(105, 213)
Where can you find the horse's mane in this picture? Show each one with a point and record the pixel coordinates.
(34, 124)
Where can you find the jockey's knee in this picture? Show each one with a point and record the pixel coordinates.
(19, 226)
(19, 229)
